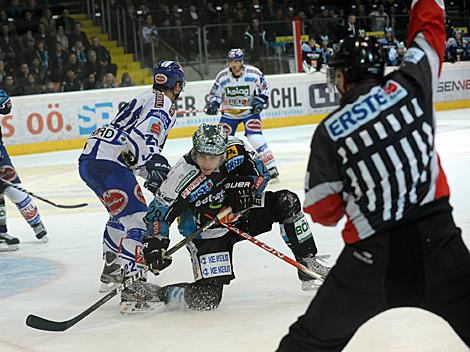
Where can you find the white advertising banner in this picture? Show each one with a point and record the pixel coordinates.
(68, 116)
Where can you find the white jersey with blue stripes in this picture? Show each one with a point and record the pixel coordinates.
(235, 92)
(138, 131)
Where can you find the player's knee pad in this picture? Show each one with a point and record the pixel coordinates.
(287, 205)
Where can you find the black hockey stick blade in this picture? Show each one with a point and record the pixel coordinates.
(48, 325)
(71, 206)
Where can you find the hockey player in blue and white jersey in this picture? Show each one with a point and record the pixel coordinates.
(131, 145)
(237, 86)
(23, 201)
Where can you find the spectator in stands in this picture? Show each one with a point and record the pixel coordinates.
(388, 42)
(62, 38)
(256, 43)
(45, 34)
(78, 34)
(27, 23)
(42, 53)
(92, 66)
(103, 56)
(149, 37)
(31, 86)
(126, 80)
(73, 65)
(192, 17)
(3, 73)
(10, 86)
(38, 70)
(91, 82)
(321, 22)
(457, 48)
(27, 46)
(72, 82)
(80, 51)
(10, 46)
(22, 74)
(349, 28)
(378, 19)
(269, 11)
(109, 81)
(362, 18)
(56, 63)
(15, 10)
(66, 22)
(51, 87)
(47, 20)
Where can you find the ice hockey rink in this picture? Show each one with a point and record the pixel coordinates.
(59, 279)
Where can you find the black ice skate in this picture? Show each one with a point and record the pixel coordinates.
(40, 232)
(112, 273)
(312, 262)
(140, 297)
(8, 243)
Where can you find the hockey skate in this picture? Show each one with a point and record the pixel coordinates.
(312, 262)
(140, 297)
(112, 272)
(8, 243)
(40, 232)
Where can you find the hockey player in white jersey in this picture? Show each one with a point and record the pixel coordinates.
(131, 145)
(23, 201)
(237, 86)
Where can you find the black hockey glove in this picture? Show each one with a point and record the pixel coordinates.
(259, 103)
(239, 193)
(157, 168)
(212, 108)
(155, 254)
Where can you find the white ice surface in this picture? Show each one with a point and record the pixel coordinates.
(257, 308)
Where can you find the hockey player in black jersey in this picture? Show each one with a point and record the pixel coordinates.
(219, 172)
(374, 160)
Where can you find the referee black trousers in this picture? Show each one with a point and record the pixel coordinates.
(423, 264)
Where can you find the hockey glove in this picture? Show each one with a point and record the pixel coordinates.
(157, 168)
(259, 103)
(212, 108)
(155, 254)
(239, 193)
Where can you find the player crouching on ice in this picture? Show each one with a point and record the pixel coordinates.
(237, 86)
(218, 172)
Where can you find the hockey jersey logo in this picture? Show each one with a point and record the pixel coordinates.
(115, 201)
(237, 91)
(366, 108)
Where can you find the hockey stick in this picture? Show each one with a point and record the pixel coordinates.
(191, 111)
(274, 252)
(37, 322)
(14, 185)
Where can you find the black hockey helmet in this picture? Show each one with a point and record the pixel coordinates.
(358, 58)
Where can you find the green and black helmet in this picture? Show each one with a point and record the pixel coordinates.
(210, 139)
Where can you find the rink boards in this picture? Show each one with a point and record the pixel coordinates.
(59, 121)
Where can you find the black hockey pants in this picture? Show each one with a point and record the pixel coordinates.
(423, 264)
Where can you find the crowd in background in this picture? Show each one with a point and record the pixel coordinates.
(43, 49)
